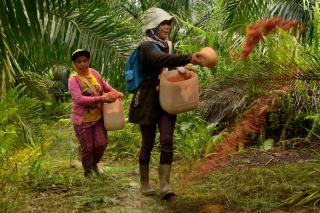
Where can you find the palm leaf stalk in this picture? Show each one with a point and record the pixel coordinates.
(304, 198)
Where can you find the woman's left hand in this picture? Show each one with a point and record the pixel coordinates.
(120, 95)
(183, 71)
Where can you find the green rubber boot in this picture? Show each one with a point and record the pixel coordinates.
(145, 187)
(164, 175)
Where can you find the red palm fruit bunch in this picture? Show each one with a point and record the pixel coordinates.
(256, 31)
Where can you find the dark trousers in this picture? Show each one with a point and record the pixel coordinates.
(166, 125)
(93, 141)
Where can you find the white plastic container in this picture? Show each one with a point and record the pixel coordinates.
(178, 96)
(113, 115)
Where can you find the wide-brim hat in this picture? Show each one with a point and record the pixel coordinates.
(153, 17)
(80, 52)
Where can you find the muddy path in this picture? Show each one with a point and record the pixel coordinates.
(117, 190)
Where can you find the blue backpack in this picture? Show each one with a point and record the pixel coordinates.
(133, 73)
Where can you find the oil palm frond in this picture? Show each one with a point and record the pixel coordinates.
(35, 40)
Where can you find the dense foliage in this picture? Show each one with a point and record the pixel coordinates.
(37, 38)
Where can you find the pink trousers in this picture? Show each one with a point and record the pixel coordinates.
(93, 140)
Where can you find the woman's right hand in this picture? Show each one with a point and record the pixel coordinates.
(207, 57)
(197, 59)
(108, 97)
(111, 96)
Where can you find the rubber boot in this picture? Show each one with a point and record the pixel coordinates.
(145, 187)
(164, 175)
(88, 174)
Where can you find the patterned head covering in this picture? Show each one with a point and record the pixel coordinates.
(155, 35)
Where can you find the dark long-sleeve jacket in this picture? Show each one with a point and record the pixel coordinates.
(145, 106)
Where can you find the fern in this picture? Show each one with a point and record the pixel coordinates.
(21, 114)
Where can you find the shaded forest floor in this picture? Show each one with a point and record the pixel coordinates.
(250, 181)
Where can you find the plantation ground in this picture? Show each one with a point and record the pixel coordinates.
(251, 181)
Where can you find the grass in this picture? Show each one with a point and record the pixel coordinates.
(53, 181)
(117, 190)
(262, 189)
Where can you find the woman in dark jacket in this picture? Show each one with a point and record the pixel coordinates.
(145, 109)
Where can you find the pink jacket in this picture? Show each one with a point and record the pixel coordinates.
(79, 101)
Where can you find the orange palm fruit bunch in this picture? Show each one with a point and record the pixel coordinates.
(256, 31)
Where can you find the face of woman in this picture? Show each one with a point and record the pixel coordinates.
(165, 28)
(82, 63)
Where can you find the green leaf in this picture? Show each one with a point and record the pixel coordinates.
(267, 145)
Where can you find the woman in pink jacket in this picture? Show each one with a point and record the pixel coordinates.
(89, 91)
